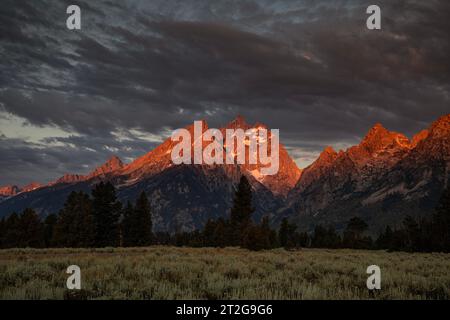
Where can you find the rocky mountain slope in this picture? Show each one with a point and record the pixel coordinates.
(183, 197)
(383, 179)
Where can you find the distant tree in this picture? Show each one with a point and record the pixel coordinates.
(255, 239)
(143, 220)
(128, 232)
(303, 240)
(31, 230)
(222, 233)
(49, 228)
(386, 239)
(241, 212)
(354, 234)
(106, 212)
(325, 237)
(412, 232)
(287, 234)
(269, 233)
(137, 223)
(75, 224)
(209, 235)
(11, 238)
(162, 238)
(441, 224)
(2, 231)
(259, 237)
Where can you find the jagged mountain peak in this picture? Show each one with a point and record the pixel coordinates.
(422, 135)
(441, 127)
(379, 138)
(328, 155)
(435, 142)
(239, 120)
(238, 123)
(69, 178)
(329, 151)
(112, 164)
(9, 190)
(31, 186)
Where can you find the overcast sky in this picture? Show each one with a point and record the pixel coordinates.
(139, 69)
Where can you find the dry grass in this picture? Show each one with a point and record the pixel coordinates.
(230, 273)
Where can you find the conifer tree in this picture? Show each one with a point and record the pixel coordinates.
(440, 237)
(49, 228)
(75, 225)
(287, 234)
(127, 226)
(412, 232)
(31, 230)
(143, 221)
(325, 237)
(241, 212)
(106, 212)
(354, 234)
(268, 233)
(12, 234)
(209, 233)
(2, 232)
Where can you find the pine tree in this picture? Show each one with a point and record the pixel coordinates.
(209, 233)
(106, 212)
(49, 228)
(128, 222)
(268, 233)
(75, 224)
(12, 231)
(283, 233)
(287, 234)
(441, 224)
(354, 234)
(260, 237)
(31, 230)
(137, 223)
(241, 212)
(143, 221)
(412, 232)
(222, 233)
(385, 239)
(325, 237)
(2, 232)
(255, 239)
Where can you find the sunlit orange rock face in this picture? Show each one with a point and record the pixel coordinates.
(435, 143)
(8, 191)
(386, 172)
(159, 159)
(385, 176)
(114, 164)
(31, 186)
(379, 150)
(288, 171)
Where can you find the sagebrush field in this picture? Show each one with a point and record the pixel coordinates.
(230, 273)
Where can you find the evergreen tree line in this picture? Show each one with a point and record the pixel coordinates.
(424, 235)
(98, 220)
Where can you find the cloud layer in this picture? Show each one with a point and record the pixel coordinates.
(138, 69)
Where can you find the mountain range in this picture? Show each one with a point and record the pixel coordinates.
(384, 178)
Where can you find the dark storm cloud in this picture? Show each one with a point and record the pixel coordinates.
(310, 68)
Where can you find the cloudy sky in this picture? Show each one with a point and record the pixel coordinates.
(139, 69)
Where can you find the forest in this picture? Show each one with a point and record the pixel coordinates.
(100, 220)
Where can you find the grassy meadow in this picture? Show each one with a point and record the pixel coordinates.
(212, 273)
